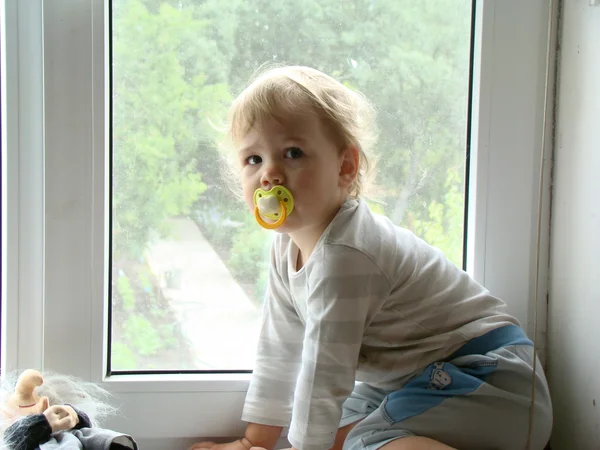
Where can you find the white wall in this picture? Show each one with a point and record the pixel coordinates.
(574, 301)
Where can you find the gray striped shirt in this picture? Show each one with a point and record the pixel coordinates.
(373, 303)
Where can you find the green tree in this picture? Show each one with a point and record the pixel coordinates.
(164, 94)
(169, 80)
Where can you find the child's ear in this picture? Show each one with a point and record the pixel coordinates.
(350, 159)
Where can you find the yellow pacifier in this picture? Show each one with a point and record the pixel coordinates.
(275, 204)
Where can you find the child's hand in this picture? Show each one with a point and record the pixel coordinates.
(235, 445)
(203, 445)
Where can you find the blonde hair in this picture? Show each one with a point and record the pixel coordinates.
(296, 89)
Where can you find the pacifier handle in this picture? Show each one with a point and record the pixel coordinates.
(270, 226)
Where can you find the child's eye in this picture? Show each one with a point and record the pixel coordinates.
(254, 159)
(293, 153)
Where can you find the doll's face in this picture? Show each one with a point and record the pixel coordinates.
(36, 408)
(11, 410)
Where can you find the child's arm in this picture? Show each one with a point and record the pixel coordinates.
(258, 435)
(271, 391)
(270, 394)
(345, 290)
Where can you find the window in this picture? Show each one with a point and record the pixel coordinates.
(56, 168)
(188, 260)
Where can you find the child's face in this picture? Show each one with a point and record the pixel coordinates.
(298, 152)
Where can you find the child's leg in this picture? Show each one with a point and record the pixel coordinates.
(408, 443)
(415, 443)
(362, 402)
(341, 435)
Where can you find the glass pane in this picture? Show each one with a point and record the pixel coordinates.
(188, 262)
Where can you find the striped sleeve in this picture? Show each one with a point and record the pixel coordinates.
(271, 392)
(345, 287)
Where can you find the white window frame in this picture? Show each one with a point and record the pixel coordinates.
(54, 172)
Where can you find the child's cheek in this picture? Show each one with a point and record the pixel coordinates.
(249, 199)
(306, 182)
(248, 193)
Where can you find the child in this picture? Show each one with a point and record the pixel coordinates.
(351, 297)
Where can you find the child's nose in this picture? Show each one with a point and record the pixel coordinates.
(272, 176)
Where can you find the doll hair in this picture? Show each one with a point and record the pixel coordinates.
(60, 390)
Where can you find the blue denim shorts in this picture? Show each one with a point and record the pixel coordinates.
(479, 398)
